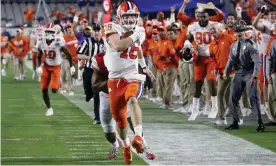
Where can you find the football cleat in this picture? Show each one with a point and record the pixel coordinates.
(207, 109)
(127, 155)
(149, 154)
(50, 112)
(213, 113)
(195, 113)
(138, 144)
(113, 153)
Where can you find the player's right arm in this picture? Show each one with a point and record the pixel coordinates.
(114, 40)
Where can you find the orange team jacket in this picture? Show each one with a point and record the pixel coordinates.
(180, 40)
(230, 32)
(71, 42)
(29, 14)
(145, 46)
(153, 51)
(19, 46)
(186, 20)
(4, 45)
(220, 49)
(167, 54)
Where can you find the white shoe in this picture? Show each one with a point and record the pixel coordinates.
(221, 122)
(158, 99)
(213, 113)
(71, 93)
(146, 96)
(22, 77)
(241, 122)
(152, 99)
(188, 108)
(246, 112)
(179, 109)
(207, 109)
(50, 112)
(194, 114)
(262, 109)
(16, 78)
(3, 72)
(62, 91)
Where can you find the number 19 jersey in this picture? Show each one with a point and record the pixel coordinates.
(202, 37)
(52, 51)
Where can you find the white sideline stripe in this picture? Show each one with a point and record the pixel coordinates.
(101, 161)
(88, 145)
(15, 125)
(90, 152)
(80, 142)
(76, 149)
(21, 139)
(81, 136)
(81, 130)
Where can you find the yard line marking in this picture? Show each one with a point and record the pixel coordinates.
(90, 152)
(81, 130)
(76, 149)
(82, 136)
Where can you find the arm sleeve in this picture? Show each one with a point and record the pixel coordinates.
(256, 59)
(186, 20)
(217, 18)
(230, 62)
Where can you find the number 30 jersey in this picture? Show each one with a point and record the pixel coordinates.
(51, 52)
(202, 37)
(121, 64)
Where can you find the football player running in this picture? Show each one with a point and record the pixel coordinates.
(204, 65)
(51, 48)
(125, 84)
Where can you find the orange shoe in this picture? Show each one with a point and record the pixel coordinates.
(127, 155)
(138, 144)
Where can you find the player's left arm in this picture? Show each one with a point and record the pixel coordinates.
(66, 51)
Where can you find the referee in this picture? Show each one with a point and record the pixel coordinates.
(90, 47)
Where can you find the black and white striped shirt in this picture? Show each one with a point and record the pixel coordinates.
(90, 47)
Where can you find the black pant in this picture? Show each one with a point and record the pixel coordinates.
(87, 85)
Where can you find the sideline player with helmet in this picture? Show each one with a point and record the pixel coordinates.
(51, 47)
(125, 84)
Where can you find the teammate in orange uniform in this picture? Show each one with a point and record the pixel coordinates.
(220, 49)
(5, 54)
(204, 65)
(20, 47)
(71, 42)
(34, 38)
(51, 47)
(186, 20)
(167, 55)
(124, 82)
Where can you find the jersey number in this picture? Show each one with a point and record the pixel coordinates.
(203, 38)
(130, 52)
(51, 54)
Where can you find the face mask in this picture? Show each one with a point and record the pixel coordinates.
(203, 23)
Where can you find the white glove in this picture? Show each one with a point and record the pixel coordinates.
(137, 34)
(72, 70)
(239, 11)
(39, 70)
(187, 44)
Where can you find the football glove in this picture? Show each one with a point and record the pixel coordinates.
(72, 70)
(39, 70)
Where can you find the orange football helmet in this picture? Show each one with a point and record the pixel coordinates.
(50, 31)
(128, 15)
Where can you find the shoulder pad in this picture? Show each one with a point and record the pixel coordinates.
(110, 28)
(250, 41)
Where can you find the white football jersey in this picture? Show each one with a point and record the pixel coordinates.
(202, 37)
(121, 64)
(51, 52)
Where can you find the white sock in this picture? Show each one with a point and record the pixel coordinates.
(214, 101)
(266, 103)
(126, 142)
(116, 144)
(138, 130)
(196, 103)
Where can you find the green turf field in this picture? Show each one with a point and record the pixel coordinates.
(69, 137)
(29, 137)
